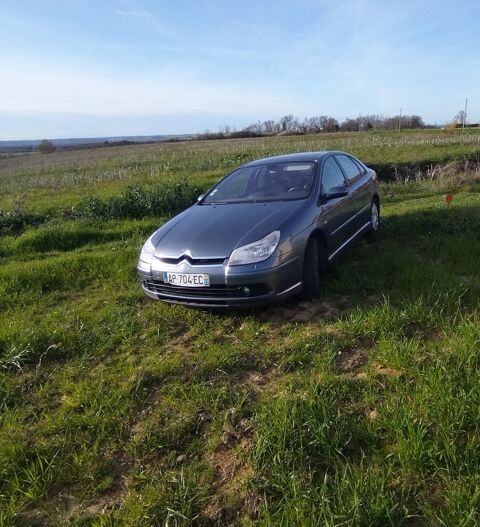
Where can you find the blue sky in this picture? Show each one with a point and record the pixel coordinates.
(128, 67)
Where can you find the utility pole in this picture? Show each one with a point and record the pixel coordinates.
(464, 115)
(359, 121)
(400, 121)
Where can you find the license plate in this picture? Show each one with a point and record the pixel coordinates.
(187, 279)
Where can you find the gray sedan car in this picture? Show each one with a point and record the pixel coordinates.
(265, 232)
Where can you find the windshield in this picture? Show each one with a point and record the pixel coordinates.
(266, 182)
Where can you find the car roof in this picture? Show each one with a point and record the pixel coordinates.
(288, 158)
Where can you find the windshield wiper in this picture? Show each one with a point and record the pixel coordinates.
(228, 202)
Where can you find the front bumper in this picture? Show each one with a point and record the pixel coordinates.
(230, 287)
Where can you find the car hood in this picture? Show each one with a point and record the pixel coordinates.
(214, 231)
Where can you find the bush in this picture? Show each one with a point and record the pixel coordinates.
(16, 220)
(138, 202)
(46, 147)
(134, 202)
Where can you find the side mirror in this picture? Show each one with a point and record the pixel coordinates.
(200, 198)
(336, 192)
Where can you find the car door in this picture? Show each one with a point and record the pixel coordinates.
(359, 195)
(364, 192)
(334, 214)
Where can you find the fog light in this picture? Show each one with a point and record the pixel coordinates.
(245, 290)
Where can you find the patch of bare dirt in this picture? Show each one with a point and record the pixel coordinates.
(237, 431)
(385, 371)
(229, 469)
(139, 419)
(307, 311)
(350, 360)
(231, 472)
(415, 330)
(66, 506)
(221, 512)
(257, 380)
(33, 518)
(181, 337)
(252, 503)
(111, 499)
(108, 502)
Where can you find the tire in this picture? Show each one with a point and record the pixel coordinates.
(311, 270)
(374, 220)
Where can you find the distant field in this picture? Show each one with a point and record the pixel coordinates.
(359, 409)
(33, 180)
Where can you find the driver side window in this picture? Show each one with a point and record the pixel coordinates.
(235, 187)
(332, 176)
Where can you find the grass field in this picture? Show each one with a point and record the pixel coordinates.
(44, 183)
(359, 409)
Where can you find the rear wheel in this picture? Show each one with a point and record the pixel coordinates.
(374, 220)
(312, 267)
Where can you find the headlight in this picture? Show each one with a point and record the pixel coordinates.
(255, 252)
(148, 250)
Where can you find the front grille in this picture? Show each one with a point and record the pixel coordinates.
(193, 261)
(215, 291)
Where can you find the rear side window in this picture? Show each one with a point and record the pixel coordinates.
(360, 166)
(349, 166)
(332, 176)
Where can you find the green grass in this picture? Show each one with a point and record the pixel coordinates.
(360, 408)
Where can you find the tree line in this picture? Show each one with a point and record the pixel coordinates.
(291, 125)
